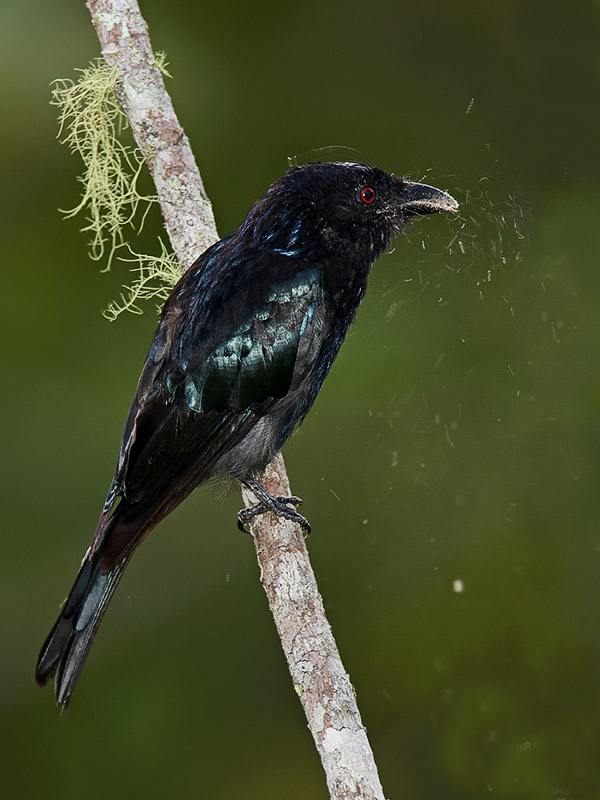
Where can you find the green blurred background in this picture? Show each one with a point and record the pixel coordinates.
(457, 438)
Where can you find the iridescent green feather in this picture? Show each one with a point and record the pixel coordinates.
(258, 362)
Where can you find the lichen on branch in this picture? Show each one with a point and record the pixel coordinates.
(156, 276)
(93, 125)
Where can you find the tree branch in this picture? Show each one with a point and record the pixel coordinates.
(317, 672)
(186, 209)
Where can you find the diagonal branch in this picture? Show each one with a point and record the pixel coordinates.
(186, 209)
(317, 672)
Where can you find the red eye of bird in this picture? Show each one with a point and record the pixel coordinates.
(367, 195)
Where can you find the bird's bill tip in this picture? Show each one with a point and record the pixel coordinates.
(419, 198)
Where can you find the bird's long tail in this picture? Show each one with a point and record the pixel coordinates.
(68, 643)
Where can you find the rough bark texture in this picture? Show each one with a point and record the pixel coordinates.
(317, 672)
(187, 211)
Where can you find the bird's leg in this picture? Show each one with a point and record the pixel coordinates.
(279, 505)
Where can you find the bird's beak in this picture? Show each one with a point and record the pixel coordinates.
(418, 198)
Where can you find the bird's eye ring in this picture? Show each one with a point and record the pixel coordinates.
(367, 195)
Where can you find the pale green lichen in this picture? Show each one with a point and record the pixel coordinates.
(156, 276)
(91, 123)
(160, 59)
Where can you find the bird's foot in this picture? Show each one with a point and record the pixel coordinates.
(278, 505)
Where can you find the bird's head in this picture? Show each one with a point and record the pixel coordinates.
(340, 205)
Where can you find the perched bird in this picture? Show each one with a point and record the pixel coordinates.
(244, 343)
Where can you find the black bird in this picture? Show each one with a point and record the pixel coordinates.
(244, 343)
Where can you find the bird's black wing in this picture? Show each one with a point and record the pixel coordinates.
(189, 411)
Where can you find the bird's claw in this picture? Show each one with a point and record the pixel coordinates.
(280, 506)
(291, 501)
